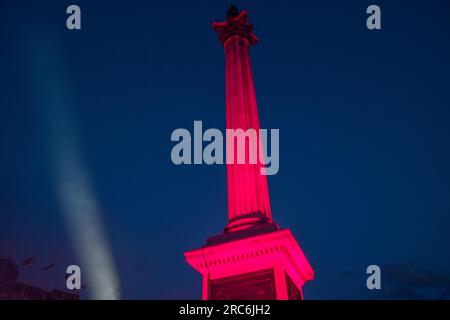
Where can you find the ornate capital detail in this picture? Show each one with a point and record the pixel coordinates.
(236, 25)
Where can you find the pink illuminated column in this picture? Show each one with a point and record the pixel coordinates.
(253, 259)
(248, 196)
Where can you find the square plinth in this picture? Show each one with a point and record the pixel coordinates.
(268, 266)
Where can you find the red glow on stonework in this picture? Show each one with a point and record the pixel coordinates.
(247, 187)
(253, 259)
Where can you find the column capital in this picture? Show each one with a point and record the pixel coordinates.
(236, 25)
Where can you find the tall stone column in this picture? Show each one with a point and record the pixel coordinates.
(253, 259)
(248, 196)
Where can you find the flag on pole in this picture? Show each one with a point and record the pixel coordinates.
(29, 261)
(49, 267)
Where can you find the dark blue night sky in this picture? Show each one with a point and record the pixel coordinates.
(364, 119)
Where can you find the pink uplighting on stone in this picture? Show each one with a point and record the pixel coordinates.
(253, 259)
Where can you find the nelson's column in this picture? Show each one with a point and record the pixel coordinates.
(253, 258)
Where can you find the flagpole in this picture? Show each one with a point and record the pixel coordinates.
(31, 271)
(50, 268)
(29, 264)
(49, 278)
(52, 279)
